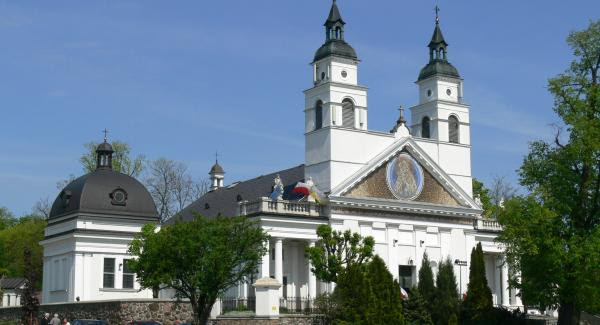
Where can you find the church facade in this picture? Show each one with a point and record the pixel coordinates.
(409, 188)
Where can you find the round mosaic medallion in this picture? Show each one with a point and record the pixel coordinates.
(404, 177)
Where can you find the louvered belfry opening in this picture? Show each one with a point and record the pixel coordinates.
(453, 129)
(347, 113)
(318, 115)
(425, 128)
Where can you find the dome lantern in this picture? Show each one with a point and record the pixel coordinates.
(104, 154)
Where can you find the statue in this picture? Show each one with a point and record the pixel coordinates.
(277, 193)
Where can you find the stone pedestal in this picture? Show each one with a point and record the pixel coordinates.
(267, 297)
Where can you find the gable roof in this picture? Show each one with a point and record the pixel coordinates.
(224, 200)
(418, 154)
(12, 283)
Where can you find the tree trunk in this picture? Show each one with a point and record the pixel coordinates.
(568, 314)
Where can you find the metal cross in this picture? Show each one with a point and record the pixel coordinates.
(105, 134)
(217, 156)
(437, 10)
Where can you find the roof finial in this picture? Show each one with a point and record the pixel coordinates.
(437, 17)
(216, 156)
(401, 119)
(105, 134)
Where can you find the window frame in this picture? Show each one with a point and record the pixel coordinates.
(127, 275)
(105, 273)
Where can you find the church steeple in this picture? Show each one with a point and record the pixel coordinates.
(438, 55)
(334, 25)
(335, 45)
(437, 45)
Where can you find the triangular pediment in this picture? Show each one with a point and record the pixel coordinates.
(404, 173)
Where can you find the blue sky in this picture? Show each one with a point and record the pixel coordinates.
(181, 79)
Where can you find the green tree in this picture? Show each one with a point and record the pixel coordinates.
(29, 300)
(446, 302)
(7, 219)
(335, 251)
(425, 285)
(553, 235)
(122, 161)
(479, 295)
(199, 259)
(368, 294)
(481, 192)
(23, 236)
(416, 309)
(386, 291)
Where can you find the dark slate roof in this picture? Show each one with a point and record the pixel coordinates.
(91, 193)
(224, 201)
(334, 15)
(335, 47)
(105, 146)
(12, 283)
(217, 169)
(438, 67)
(437, 37)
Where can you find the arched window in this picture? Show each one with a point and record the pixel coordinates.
(453, 129)
(347, 113)
(319, 115)
(425, 128)
(338, 33)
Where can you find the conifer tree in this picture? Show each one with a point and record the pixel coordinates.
(425, 285)
(479, 295)
(446, 302)
(416, 311)
(386, 291)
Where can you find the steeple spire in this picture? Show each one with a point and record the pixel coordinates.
(334, 37)
(437, 45)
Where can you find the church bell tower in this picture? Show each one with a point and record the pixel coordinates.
(441, 114)
(335, 105)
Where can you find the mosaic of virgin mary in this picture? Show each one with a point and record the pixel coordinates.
(404, 177)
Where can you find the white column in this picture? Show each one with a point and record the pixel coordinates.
(279, 263)
(498, 280)
(518, 301)
(312, 279)
(264, 267)
(505, 294)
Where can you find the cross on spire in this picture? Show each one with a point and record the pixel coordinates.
(105, 131)
(216, 156)
(401, 118)
(437, 11)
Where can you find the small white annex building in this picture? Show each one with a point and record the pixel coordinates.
(410, 188)
(91, 224)
(10, 291)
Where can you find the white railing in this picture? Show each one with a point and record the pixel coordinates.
(282, 207)
(487, 225)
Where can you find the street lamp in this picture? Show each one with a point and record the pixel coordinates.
(460, 265)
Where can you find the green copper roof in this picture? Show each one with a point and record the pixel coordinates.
(335, 47)
(438, 62)
(334, 15)
(437, 37)
(438, 67)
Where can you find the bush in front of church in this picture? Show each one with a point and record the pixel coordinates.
(367, 294)
(416, 310)
(446, 302)
(479, 295)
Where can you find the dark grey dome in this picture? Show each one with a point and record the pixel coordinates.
(217, 169)
(438, 67)
(335, 47)
(105, 146)
(105, 191)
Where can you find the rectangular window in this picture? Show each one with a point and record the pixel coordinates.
(127, 275)
(405, 276)
(109, 273)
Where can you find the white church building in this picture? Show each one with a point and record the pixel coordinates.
(409, 188)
